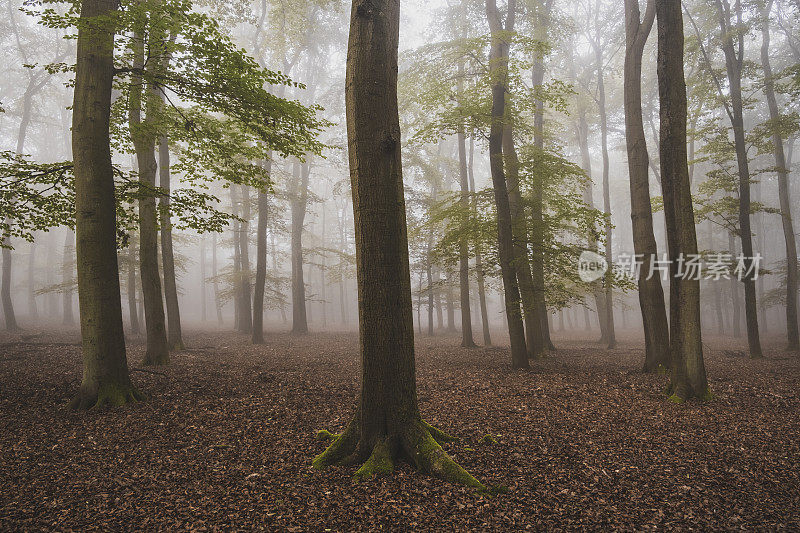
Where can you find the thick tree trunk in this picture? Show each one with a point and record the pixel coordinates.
(734, 64)
(505, 236)
(174, 334)
(688, 370)
(487, 338)
(68, 317)
(105, 366)
(651, 294)
(387, 425)
(299, 203)
(783, 187)
(610, 339)
(157, 352)
(261, 260)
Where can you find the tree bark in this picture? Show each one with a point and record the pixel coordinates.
(505, 237)
(463, 245)
(68, 317)
(261, 259)
(733, 64)
(487, 338)
(157, 352)
(687, 366)
(132, 309)
(783, 186)
(105, 367)
(33, 309)
(651, 293)
(174, 333)
(8, 303)
(299, 203)
(387, 426)
(217, 302)
(245, 298)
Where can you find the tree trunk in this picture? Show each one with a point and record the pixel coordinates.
(203, 309)
(68, 318)
(609, 295)
(505, 236)
(783, 187)
(157, 352)
(174, 334)
(261, 259)
(387, 425)
(33, 309)
(132, 309)
(688, 370)
(8, 304)
(463, 246)
(245, 298)
(651, 294)
(299, 202)
(487, 338)
(733, 64)
(105, 367)
(217, 302)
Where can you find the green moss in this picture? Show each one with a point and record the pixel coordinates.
(676, 399)
(107, 395)
(379, 463)
(438, 435)
(487, 439)
(707, 396)
(429, 457)
(326, 435)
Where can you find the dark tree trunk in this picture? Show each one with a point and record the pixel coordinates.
(203, 302)
(299, 203)
(8, 304)
(68, 318)
(688, 369)
(505, 236)
(261, 260)
(245, 295)
(783, 187)
(387, 425)
(33, 308)
(157, 352)
(105, 367)
(734, 63)
(217, 302)
(174, 333)
(651, 294)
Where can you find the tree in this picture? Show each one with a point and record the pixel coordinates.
(174, 334)
(651, 294)
(387, 425)
(783, 183)
(734, 62)
(105, 367)
(505, 238)
(463, 246)
(688, 370)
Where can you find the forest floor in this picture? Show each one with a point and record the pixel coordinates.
(583, 440)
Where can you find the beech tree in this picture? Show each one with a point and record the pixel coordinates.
(387, 426)
(688, 374)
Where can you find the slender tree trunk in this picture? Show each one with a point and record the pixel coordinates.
(245, 302)
(688, 369)
(105, 367)
(737, 306)
(651, 294)
(132, 309)
(734, 63)
(463, 246)
(487, 338)
(299, 203)
(33, 309)
(609, 295)
(8, 304)
(505, 239)
(783, 186)
(261, 259)
(237, 261)
(387, 426)
(68, 318)
(203, 302)
(450, 305)
(157, 352)
(214, 274)
(174, 333)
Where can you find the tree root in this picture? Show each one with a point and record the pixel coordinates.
(418, 445)
(105, 396)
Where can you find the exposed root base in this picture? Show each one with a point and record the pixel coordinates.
(156, 359)
(681, 395)
(418, 445)
(105, 396)
(177, 346)
(326, 435)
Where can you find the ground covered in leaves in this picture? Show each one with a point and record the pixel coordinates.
(583, 440)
